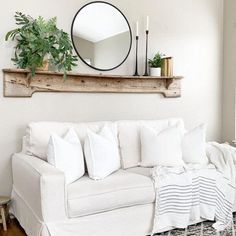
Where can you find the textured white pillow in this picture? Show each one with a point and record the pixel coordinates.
(66, 155)
(101, 153)
(129, 137)
(193, 146)
(163, 148)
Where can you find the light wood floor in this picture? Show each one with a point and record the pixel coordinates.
(13, 229)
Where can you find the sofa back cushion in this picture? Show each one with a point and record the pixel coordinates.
(129, 137)
(38, 134)
(128, 133)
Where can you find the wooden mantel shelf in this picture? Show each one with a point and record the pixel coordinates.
(20, 83)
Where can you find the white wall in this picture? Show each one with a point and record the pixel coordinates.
(191, 31)
(229, 82)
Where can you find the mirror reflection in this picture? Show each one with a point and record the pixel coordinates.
(101, 35)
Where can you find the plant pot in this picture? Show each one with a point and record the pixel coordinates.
(45, 66)
(155, 71)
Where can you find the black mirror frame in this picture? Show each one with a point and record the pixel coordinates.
(72, 40)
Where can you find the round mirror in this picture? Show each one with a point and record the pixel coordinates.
(101, 35)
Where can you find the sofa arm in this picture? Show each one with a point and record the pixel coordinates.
(40, 185)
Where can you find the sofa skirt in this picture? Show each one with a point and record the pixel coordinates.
(128, 221)
(29, 221)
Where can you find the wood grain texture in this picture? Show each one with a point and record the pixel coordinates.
(20, 83)
(13, 229)
(4, 211)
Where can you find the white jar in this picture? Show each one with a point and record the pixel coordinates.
(155, 71)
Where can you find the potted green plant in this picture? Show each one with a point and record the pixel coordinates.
(39, 43)
(155, 64)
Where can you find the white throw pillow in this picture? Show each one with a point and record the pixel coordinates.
(161, 148)
(193, 146)
(101, 153)
(66, 155)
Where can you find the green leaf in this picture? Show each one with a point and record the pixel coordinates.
(156, 61)
(38, 38)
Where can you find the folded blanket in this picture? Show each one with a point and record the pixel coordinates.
(195, 192)
(223, 157)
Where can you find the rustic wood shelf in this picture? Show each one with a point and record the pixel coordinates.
(20, 83)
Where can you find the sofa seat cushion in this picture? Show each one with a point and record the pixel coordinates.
(146, 171)
(121, 189)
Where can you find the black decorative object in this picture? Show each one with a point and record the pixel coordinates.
(75, 29)
(136, 60)
(146, 61)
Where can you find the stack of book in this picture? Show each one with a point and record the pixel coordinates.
(167, 67)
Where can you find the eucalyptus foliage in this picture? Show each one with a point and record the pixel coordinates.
(37, 39)
(156, 61)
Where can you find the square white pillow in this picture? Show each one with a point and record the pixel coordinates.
(101, 153)
(66, 154)
(161, 148)
(193, 146)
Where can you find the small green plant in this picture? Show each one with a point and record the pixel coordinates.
(37, 40)
(156, 61)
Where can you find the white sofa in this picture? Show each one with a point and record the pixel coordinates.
(121, 204)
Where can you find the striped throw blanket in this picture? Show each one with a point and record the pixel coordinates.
(194, 193)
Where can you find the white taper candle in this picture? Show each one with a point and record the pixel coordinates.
(137, 29)
(147, 23)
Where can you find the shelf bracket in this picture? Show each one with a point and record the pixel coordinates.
(169, 82)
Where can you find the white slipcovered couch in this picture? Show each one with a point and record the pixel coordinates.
(121, 204)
